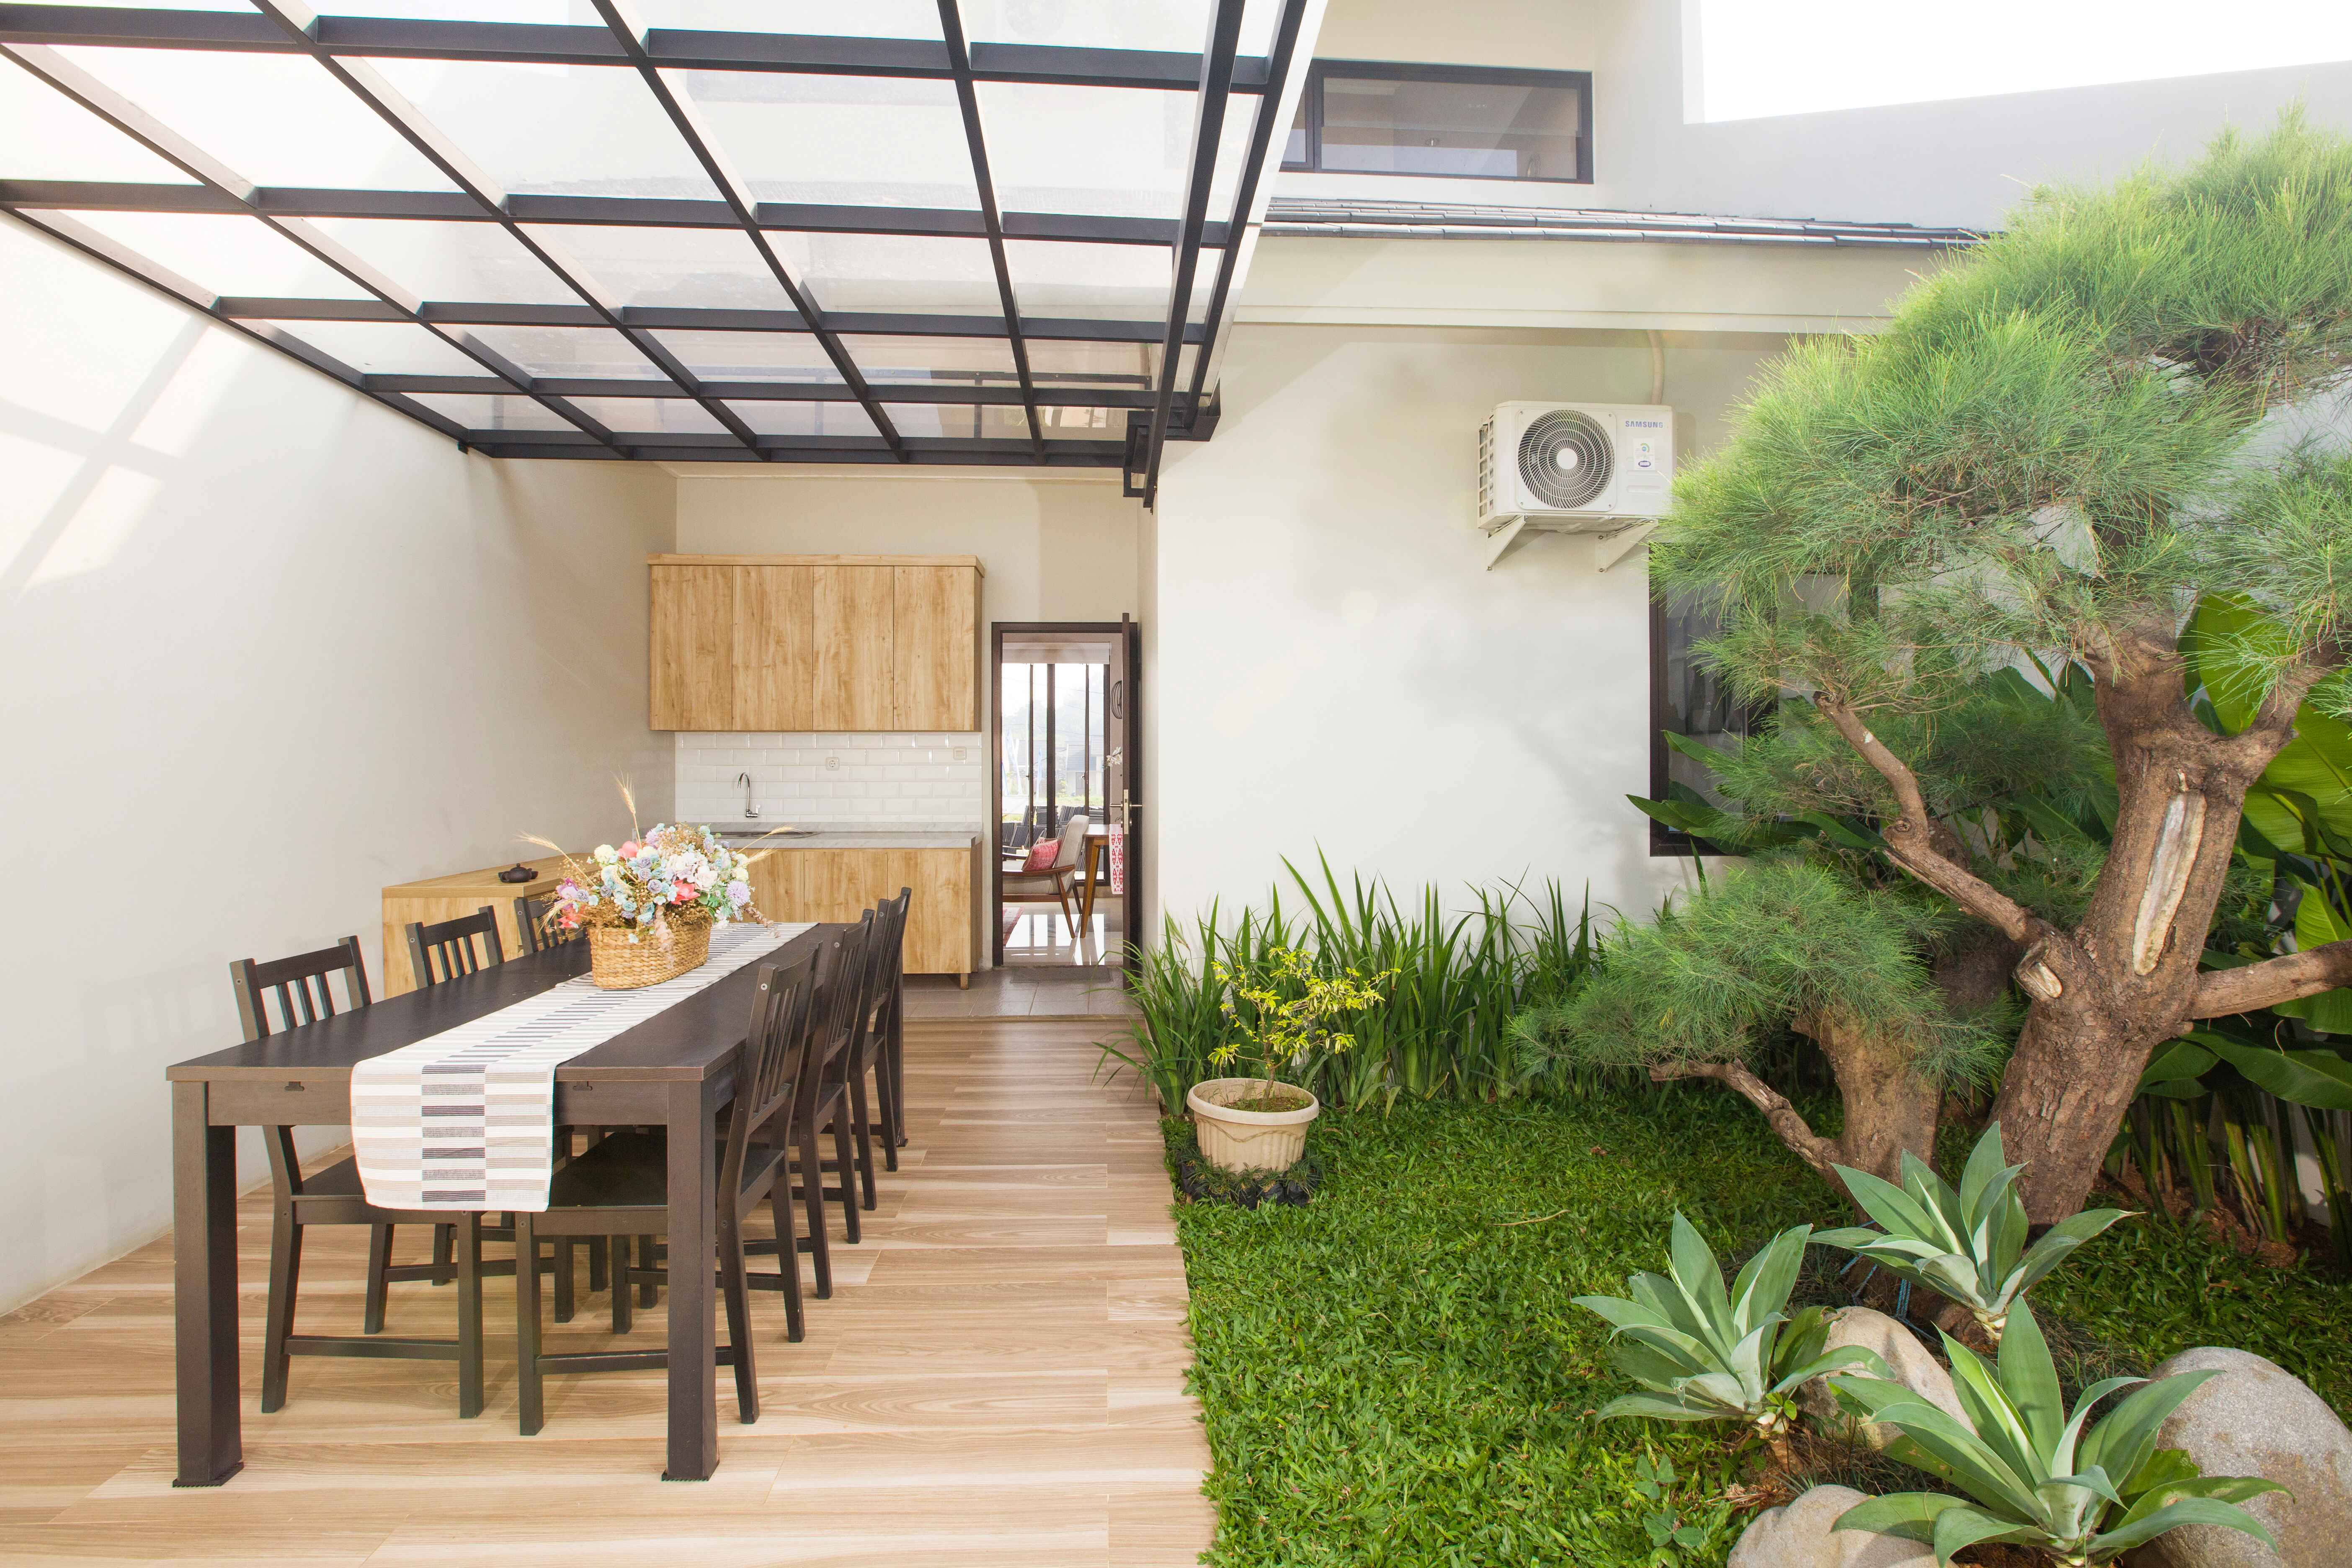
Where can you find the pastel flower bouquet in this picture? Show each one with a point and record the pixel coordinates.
(648, 906)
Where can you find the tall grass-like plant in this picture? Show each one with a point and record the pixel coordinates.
(1703, 1353)
(2035, 1474)
(1969, 1244)
(1442, 1027)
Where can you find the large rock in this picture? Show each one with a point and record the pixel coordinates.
(2259, 1419)
(1913, 1366)
(1798, 1535)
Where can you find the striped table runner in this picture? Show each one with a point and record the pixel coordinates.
(466, 1120)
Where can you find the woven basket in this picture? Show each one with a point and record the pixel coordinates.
(617, 963)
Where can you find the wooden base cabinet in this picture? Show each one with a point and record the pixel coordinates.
(446, 899)
(841, 884)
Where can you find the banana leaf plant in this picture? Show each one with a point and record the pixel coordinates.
(1969, 1243)
(1703, 1353)
(2035, 1474)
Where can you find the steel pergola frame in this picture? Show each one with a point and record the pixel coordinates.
(31, 35)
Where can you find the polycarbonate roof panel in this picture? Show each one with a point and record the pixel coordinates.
(493, 413)
(860, 19)
(837, 139)
(226, 255)
(918, 274)
(806, 419)
(896, 361)
(474, 262)
(872, 261)
(277, 120)
(1119, 283)
(1128, 366)
(1119, 150)
(50, 137)
(575, 129)
(385, 348)
(650, 416)
(711, 267)
(1178, 26)
(751, 356)
(567, 352)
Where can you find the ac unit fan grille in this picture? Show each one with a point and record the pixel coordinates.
(1565, 458)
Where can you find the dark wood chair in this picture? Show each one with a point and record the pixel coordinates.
(620, 1187)
(335, 1196)
(885, 1046)
(823, 1104)
(533, 919)
(451, 944)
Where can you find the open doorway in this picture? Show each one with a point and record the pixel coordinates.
(1068, 724)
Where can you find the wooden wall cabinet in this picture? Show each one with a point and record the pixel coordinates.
(839, 643)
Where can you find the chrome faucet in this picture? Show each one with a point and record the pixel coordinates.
(751, 812)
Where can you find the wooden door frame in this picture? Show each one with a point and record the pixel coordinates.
(1123, 631)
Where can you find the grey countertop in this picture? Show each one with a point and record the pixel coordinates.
(743, 835)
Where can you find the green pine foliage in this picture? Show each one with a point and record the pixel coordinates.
(2050, 447)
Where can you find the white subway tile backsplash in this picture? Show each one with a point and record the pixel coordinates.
(835, 779)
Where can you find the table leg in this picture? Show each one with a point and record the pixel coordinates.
(204, 1292)
(1094, 861)
(693, 1336)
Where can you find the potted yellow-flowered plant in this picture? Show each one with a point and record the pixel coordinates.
(1286, 1011)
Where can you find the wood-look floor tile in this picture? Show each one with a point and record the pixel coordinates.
(997, 1378)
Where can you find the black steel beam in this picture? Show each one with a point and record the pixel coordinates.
(640, 211)
(699, 318)
(1231, 258)
(1208, 134)
(968, 101)
(669, 49)
(931, 392)
(297, 24)
(626, 29)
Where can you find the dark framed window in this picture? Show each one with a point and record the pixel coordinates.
(1688, 698)
(1376, 117)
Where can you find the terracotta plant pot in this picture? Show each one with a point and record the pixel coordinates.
(1234, 1137)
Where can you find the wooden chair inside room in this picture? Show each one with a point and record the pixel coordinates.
(335, 1195)
(1055, 883)
(620, 1187)
(533, 918)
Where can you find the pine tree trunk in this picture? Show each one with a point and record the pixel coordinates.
(2126, 977)
(1889, 1107)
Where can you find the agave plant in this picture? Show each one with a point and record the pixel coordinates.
(1705, 1354)
(1969, 1245)
(2038, 1474)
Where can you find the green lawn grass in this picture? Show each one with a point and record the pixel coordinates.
(1396, 1375)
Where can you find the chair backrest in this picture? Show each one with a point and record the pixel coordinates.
(533, 918)
(890, 952)
(300, 984)
(1073, 842)
(452, 943)
(841, 990)
(776, 1055)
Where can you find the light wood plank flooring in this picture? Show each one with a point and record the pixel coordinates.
(997, 1379)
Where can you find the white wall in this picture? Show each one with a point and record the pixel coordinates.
(1337, 670)
(269, 647)
(1955, 161)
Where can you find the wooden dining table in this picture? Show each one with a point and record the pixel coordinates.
(675, 1069)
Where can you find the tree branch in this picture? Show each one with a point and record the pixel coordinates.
(2221, 992)
(1784, 1119)
(1911, 838)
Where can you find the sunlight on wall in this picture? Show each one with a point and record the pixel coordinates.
(1804, 56)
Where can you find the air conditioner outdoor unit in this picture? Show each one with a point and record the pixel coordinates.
(1575, 467)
